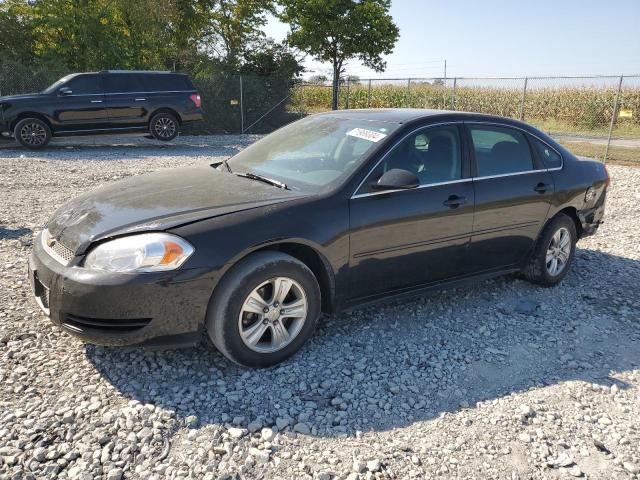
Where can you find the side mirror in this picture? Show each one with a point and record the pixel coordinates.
(396, 179)
(64, 91)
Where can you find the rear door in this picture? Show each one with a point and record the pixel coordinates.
(127, 100)
(513, 194)
(80, 104)
(410, 238)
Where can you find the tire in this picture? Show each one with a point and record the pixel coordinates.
(32, 133)
(259, 275)
(164, 126)
(552, 242)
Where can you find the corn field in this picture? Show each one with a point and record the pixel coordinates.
(556, 107)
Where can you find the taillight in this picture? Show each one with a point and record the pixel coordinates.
(195, 98)
(608, 182)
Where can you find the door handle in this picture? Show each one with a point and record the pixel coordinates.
(140, 99)
(96, 101)
(454, 201)
(541, 187)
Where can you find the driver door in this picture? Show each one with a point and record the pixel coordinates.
(80, 105)
(405, 239)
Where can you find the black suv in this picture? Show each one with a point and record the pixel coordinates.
(156, 103)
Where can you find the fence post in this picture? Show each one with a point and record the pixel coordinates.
(524, 95)
(348, 82)
(453, 94)
(369, 95)
(613, 118)
(408, 102)
(241, 108)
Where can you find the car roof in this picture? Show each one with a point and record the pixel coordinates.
(406, 115)
(139, 71)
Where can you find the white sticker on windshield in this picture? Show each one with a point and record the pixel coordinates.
(365, 134)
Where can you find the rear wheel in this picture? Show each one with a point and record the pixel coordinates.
(264, 309)
(553, 253)
(32, 133)
(164, 126)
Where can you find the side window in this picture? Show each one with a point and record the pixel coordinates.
(549, 156)
(84, 85)
(121, 83)
(163, 82)
(500, 150)
(432, 154)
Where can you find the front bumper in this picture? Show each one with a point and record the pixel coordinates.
(149, 309)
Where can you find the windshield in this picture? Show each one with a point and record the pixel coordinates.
(312, 153)
(55, 86)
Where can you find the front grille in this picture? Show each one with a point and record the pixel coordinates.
(56, 249)
(83, 324)
(63, 252)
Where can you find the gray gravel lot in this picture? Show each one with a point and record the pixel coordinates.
(498, 380)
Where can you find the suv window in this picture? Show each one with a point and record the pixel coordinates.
(84, 84)
(165, 82)
(500, 150)
(122, 83)
(549, 156)
(432, 154)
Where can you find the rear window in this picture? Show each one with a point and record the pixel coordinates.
(164, 82)
(549, 156)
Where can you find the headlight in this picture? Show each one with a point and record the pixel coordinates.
(146, 252)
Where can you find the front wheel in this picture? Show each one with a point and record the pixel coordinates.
(32, 133)
(163, 126)
(264, 309)
(553, 254)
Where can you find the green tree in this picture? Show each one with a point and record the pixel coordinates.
(16, 34)
(233, 25)
(338, 30)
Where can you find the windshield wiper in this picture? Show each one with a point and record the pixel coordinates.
(224, 162)
(270, 181)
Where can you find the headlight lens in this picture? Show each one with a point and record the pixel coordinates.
(147, 252)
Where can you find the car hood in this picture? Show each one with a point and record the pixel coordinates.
(158, 201)
(13, 98)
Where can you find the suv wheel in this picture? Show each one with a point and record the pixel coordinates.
(163, 126)
(32, 133)
(552, 256)
(264, 309)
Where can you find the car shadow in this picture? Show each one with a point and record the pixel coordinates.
(14, 233)
(389, 366)
(121, 147)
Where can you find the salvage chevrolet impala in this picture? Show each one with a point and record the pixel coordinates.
(333, 211)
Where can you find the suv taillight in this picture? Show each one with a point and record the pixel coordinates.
(195, 98)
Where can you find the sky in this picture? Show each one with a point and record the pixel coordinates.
(493, 38)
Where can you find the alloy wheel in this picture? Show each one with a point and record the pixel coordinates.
(558, 252)
(273, 315)
(33, 134)
(165, 127)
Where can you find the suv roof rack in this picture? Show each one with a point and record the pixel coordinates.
(135, 71)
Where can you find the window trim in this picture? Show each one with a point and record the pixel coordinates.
(463, 159)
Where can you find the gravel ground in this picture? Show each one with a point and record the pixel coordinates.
(498, 380)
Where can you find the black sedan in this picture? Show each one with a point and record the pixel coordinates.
(333, 211)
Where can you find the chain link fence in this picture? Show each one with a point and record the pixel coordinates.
(231, 103)
(596, 117)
